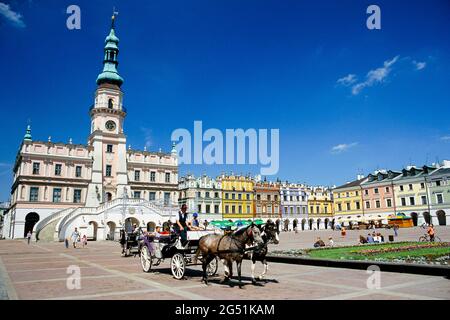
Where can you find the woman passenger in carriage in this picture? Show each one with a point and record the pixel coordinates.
(194, 224)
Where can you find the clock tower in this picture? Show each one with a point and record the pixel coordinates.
(109, 172)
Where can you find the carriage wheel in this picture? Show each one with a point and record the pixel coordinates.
(178, 266)
(211, 268)
(146, 259)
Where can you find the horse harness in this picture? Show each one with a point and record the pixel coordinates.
(242, 251)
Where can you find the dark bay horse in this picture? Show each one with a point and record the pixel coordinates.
(269, 234)
(228, 248)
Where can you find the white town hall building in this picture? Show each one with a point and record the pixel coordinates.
(99, 187)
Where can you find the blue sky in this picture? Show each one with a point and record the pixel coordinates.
(346, 99)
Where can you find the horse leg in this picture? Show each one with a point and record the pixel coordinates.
(227, 272)
(206, 260)
(230, 268)
(266, 267)
(239, 265)
(253, 271)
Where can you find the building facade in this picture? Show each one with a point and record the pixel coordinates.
(237, 196)
(348, 199)
(294, 203)
(4, 206)
(438, 183)
(418, 192)
(411, 194)
(202, 195)
(378, 194)
(267, 202)
(320, 204)
(51, 178)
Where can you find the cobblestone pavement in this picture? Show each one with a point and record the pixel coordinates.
(40, 271)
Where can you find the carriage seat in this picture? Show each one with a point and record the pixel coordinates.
(196, 235)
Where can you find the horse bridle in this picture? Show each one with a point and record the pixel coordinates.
(250, 233)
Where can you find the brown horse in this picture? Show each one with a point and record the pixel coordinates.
(228, 248)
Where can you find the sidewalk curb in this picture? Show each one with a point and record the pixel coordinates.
(430, 270)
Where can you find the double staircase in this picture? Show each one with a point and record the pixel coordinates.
(54, 227)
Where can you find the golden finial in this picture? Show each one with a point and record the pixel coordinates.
(113, 18)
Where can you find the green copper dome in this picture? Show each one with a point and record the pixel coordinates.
(27, 136)
(110, 61)
(112, 37)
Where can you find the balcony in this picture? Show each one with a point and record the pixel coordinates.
(105, 106)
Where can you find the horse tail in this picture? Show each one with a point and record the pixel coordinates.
(197, 253)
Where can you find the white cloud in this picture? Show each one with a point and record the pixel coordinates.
(343, 147)
(347, 80)
(375, 76)
(419, 65)
(147, 137)
(13, 17)
(445, 138)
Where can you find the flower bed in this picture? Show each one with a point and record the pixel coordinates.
(401, 252)
(403, 248)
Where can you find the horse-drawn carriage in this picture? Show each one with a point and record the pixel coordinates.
(153, 251)
(130, 242)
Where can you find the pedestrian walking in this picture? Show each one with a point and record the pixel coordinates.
(84, 241)
(396, 230)
(75, 236)
(29, 237)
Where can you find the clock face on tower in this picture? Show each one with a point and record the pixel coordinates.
(110, 125)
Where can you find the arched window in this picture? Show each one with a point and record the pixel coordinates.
(110, 103)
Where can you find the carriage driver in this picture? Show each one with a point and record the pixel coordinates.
(182, 222)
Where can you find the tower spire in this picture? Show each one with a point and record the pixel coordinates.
(113, 18)
(110, 74)
(27, 136)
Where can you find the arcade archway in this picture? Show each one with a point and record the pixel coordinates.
(91, 231)
(415, 218)
(427, 217)
(441, 218)
(30, 220)
(151, 226)
(111, 230)
(129, 222)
